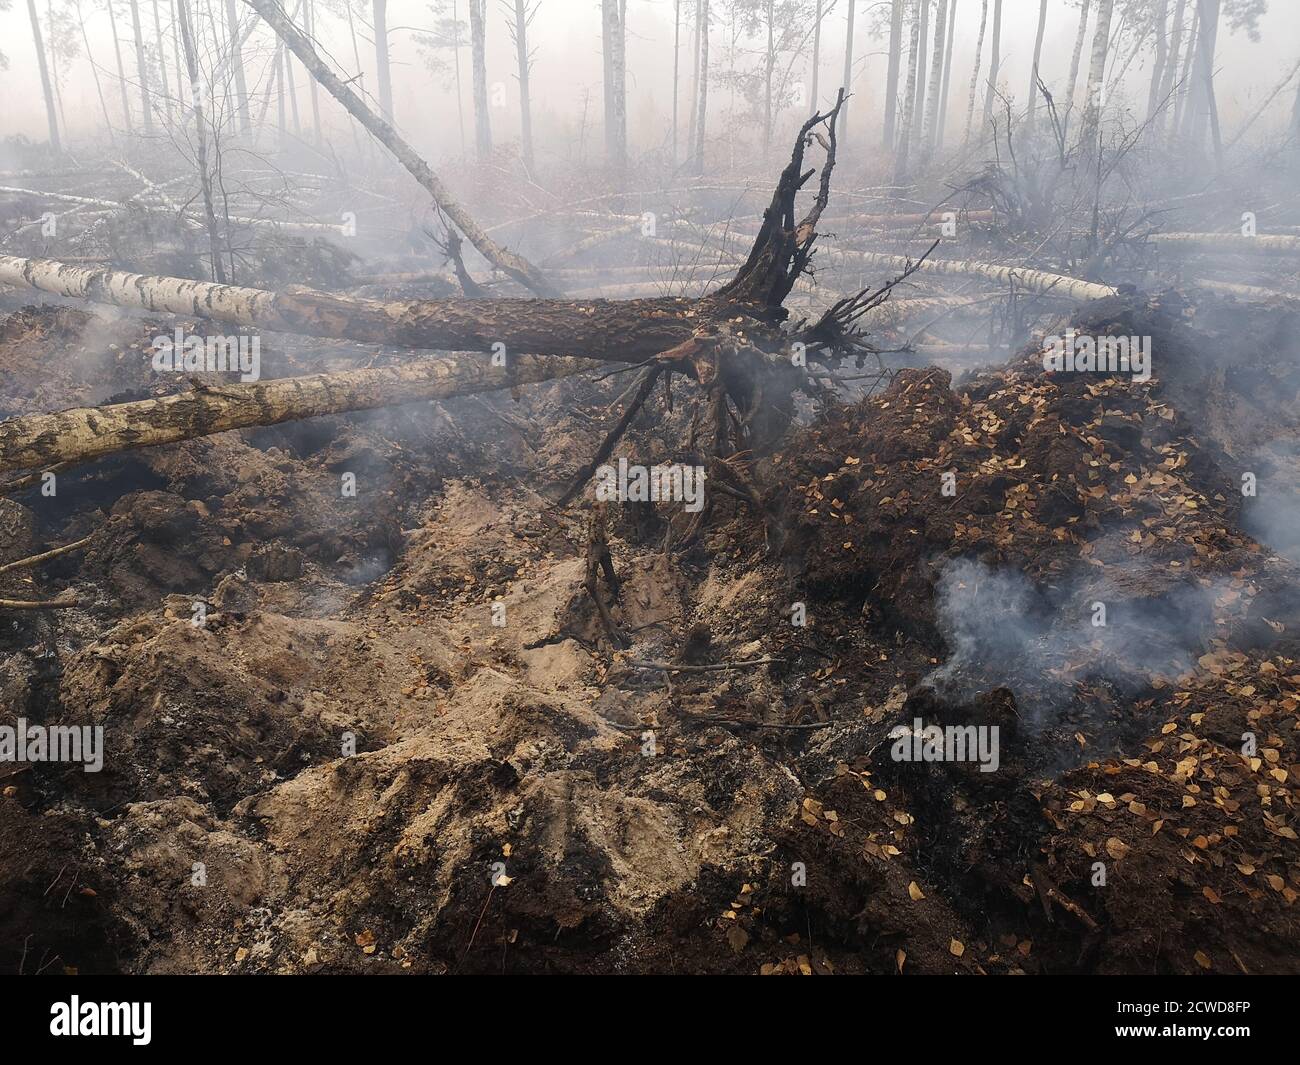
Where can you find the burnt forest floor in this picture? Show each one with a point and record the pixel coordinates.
(523, 799)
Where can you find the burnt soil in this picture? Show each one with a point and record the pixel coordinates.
(324, 776)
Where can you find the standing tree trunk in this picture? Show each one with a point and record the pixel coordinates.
(162, 60)
(936, 73)
(769, 61)
(1207, 110)
(1162, 58)
(817, 51)
(201, 143)
(891, 73)
(695, 84)
(995, 61)
(1033, 72)
(1091, 123)
(918, 109)
(1170, 67)
(936, 134)
(237, 66)
(382, 70)
(614, 62)
(121, 70)
(142, 66)
(1074, 64)
(677, 55)
(478, 54)
(847, 83)
(975, 73)
(704, 87)
(525, 104)
(309, 27)
(905, 133)
(51, 115)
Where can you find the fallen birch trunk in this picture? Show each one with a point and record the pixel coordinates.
(615, 331)
(116, 205)
(1262, 244)
(1037, 281)
(85, 433)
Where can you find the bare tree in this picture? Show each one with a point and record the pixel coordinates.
(1033, 70)
(905, 132)
(50, 113)
(936, 71)
(478, 55)
(975, 72)
(936, 134)
(703, 108)
(1096, 70)
(383, 72)
(847, 83)
(523, 17)
(995, 62)
(121, 70)
(891, 71)
(614, 64)
(1075, 56)
(201, 140)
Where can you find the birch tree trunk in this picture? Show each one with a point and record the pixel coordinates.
(142, 67)
(975, 73)
(1075, 56)
(478, 55)
(525, 103)
(514, 265)
(237, 66)
(51, 115)
(995, 61)
(383, 73)
(613, 331)
(938, 132)
(918, 108)
(201, 141)
(936, 72)
(1032, 116)
(1091, 122)
(1170, 68)
(891, 72)
(613, 54)
(1162, 57)
(704, 87)
(909, 99)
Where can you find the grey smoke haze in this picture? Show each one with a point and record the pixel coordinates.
(1000, 629)
(566, 74)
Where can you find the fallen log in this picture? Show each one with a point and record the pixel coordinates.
(1263, 244)
(1037, 281)
(149, 208)
(509, 262)
(85, 433)
(622, 331)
